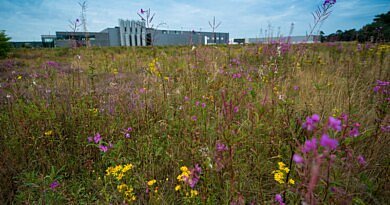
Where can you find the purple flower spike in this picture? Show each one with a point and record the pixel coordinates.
(310, 145)
(220, 147)
(90, 139)
(298, 159)
(54, 185)
(311, 122)
(354, 132)
(97, 138)
(361, 160)
(328, 142)
(103, 148)
(334, 123)
(279, 199)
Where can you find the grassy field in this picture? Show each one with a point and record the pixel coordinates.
(255, 124)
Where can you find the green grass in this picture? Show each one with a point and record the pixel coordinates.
(258, 116)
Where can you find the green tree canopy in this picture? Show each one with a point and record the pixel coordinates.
(5, 46)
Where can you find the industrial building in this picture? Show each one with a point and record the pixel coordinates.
(133, 33)
(265, 40)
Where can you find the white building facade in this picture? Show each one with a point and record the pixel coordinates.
(132, 33)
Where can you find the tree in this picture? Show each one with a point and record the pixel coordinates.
(377, 31)
(5, 46)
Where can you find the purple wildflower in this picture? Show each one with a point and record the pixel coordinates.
(194, 118)
(334, 123)
(90, 139)
(329, 2)
(54, 185)
(186, 98)
(197, 103)
(328, 142)
(311, 122)
(97, 138)
(298, 159)
(236, 109)
(220, 147)
(385, 128)
(296, 87)
(354, 132)
(127, 135)
(361, 160)
(103, 148)
(203, 105)
(279, 199)
(310, 145)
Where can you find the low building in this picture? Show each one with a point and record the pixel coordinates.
(133, 33)
(291, 39)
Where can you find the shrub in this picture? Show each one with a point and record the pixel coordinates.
(5, 46)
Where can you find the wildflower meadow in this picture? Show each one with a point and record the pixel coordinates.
(229, 124)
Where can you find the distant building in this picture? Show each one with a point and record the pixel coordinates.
(133, 33)
(291, 39)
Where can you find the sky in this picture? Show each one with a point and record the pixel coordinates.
(27, 20)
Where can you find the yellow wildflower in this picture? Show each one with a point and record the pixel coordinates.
(151, 182)
(177, 187)
(291, 181)
(127, 167)
(194, 193)
(49, 133)
(122, 187)
(19, 77)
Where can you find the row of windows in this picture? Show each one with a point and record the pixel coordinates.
(131, 29)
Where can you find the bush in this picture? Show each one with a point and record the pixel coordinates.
(5, 46)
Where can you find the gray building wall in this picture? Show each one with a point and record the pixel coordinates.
(291, 39)
(132, 33)
(175, 37)
(113, 36)
(65, 39)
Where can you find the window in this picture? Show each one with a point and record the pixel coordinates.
(125, 29)
(221, 38)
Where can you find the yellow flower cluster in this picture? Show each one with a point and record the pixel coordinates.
(185, 173)
(151, 182)
(280, 174)
(94, 111)
(118, 171)
(128, 191)
(153, 68)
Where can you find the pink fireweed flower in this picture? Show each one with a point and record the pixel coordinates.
(298, 159)
(236, 109)
(310, 145)
(311, 122)
(194, 177)
(220, 147)
(279, 199)
(197, 103)
(97, 138)
(328, 142)
(334, 123)
(186, 98)
(361, 160)
(354, 132)
(194, 118)
(103, 148)
(54, 185)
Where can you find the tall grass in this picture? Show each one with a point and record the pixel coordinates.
(182, 105)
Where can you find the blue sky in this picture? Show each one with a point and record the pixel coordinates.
(26, 20)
